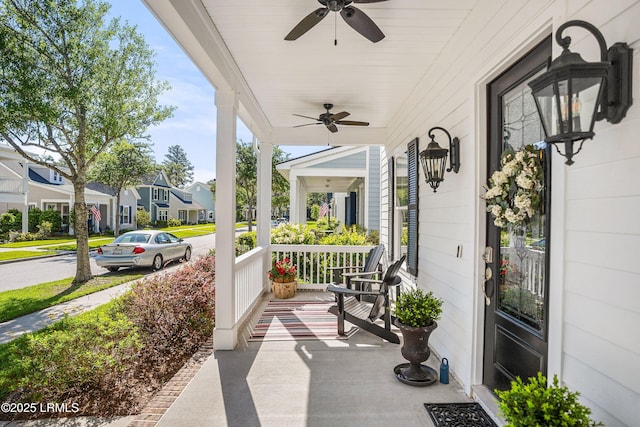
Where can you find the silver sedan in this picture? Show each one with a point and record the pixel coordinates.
(144, 248)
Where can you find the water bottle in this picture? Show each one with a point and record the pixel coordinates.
(444, 371)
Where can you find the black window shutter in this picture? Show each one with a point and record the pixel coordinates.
(412, 187)
(391, 206)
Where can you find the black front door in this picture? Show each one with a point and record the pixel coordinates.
(516, 281)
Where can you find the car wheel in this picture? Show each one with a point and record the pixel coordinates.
(113, 269)
(187, 254)
(157, 263)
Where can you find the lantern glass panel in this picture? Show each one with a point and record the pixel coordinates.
(585, 102)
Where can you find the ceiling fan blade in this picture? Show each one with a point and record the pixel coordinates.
(360, 22)
(351, 123)
(333, 128)
(306, 117)
(307, 124)
(339, 116)
(307, 23)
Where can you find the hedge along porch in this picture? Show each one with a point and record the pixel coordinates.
(436, 67)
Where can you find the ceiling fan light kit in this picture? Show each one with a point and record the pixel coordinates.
(354, 17)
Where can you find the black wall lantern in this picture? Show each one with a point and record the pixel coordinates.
(573, 94)
(434, 159)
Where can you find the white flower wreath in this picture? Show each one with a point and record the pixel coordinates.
(513, 194)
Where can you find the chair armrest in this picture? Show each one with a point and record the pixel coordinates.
(345, 267)
(364, 280)
(347, 291)
(361, 273)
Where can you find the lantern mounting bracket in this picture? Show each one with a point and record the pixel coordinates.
(617, 94)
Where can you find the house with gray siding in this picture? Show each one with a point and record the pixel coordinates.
(202, 195)
(163, 201)
(351, 174)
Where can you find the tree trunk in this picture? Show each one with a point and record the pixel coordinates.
(116, 225)
(83, 268)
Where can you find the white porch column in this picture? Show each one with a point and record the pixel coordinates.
(225, 333)
(293, 197)
(264, 201)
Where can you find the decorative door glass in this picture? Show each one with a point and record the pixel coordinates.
(523, 248)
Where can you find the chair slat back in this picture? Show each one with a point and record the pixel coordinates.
(390, 278)
(373, 259)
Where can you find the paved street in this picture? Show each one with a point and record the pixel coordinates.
(18, 275)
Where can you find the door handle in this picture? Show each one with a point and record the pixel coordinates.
(488, 275)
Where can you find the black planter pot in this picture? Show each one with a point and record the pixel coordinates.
(415, 348)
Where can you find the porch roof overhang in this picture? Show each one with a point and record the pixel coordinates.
(242, 48)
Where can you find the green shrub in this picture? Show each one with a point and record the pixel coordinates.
(34, 219)
(44, 229)
(7, 222)
(51, 216)
(373, 238)
(292, 234)
(174, 222)
(417, 308)
(161, 224)
(246, 242)
(143, 218)
(537, 404)
(349, 236)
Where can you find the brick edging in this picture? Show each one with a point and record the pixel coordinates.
(156, 408)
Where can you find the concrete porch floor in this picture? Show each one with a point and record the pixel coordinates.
(307, 383)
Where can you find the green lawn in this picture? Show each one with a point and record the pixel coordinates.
(69, 243)
(23, 301)
(5, 256)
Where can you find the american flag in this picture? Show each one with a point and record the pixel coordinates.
(96, 213)
(324, 209)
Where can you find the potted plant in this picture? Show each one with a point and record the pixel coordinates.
(283, 278)
(538, 404)
(416, 315)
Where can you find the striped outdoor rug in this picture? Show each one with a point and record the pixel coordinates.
(296, 320)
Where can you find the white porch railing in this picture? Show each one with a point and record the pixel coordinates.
(249, 280)
(531, 267)
(11, 185)
(312, 263)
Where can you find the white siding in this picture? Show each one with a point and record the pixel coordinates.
(597, 257)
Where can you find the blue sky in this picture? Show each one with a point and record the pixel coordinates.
(193, 123)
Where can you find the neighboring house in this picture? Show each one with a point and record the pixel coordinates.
(203, 196)
(351, 174)
(26, 185)
(163, 201)
(125, 214)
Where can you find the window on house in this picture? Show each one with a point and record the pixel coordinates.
(125, 214)
(166, 195)
(163, 215)
(155, 194)
(182, 215)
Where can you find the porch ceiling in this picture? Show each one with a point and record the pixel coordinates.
(278, 78)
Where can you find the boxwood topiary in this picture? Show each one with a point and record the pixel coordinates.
(537, 404)
(417, 308)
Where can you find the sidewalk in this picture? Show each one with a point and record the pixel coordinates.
(43, 318)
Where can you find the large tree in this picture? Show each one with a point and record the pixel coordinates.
(246, 178)
(71, 85)
(122, 166)
(279, 184)
(177, 166)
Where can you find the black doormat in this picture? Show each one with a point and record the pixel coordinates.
(458, 415)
